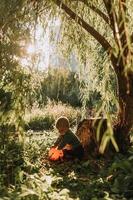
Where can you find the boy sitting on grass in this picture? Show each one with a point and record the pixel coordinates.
(67, 145)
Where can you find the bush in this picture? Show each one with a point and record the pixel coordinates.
(40, 123)
(44, 119)
(60, 85)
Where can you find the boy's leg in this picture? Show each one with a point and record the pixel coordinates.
(78, 152)
(68, 154)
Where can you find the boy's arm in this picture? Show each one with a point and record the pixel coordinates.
(61, 145)
(63, 142)
(57, 142)
(68, 147)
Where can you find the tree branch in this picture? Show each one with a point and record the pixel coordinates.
(96, 10)
(119, 28)
(105, 44)
(122, 24)
(113, 21)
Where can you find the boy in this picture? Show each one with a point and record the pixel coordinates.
(67, 143)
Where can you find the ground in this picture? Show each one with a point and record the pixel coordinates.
(93, 179)
(101, 178)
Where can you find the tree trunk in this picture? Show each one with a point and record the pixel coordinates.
(87, 134)
(125, 115)
(87, 129)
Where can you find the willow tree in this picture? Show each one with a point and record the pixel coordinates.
(14, 88)
(109, 23)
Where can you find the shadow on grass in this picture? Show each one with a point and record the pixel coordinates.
(83, 179)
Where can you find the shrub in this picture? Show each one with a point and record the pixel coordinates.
(40, 123)
(60, 85)
(43, 119)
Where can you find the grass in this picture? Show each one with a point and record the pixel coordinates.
(97, 179)
(44, 118)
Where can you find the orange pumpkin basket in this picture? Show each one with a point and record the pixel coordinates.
(55, 154)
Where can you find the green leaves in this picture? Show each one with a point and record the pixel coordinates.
(59, 85)
(107, 137)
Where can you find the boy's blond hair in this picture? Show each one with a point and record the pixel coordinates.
(62, 122)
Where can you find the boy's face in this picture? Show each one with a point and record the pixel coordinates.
(62, 130)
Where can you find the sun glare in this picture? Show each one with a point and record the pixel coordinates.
(39, 48)
(31, 49)
(24, 62)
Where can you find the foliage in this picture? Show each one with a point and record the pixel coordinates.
(109, 179)
(40, 123)
(98, 86)
(11, 126)
(44, 118)
(15, 87)
(108, 23)
(16, 20)
(121, 181)
(60, 85)
(11, 156)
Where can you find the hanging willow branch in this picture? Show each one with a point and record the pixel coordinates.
(105, 44)
(96, 10)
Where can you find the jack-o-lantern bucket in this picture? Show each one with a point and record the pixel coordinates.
(55, 154)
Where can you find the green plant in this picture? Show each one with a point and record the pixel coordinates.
(39, 123)
(44, 118)
(59, 85)
(122, 178)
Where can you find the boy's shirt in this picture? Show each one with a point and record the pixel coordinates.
(68, 138)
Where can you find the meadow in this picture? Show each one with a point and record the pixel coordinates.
(92, 179)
